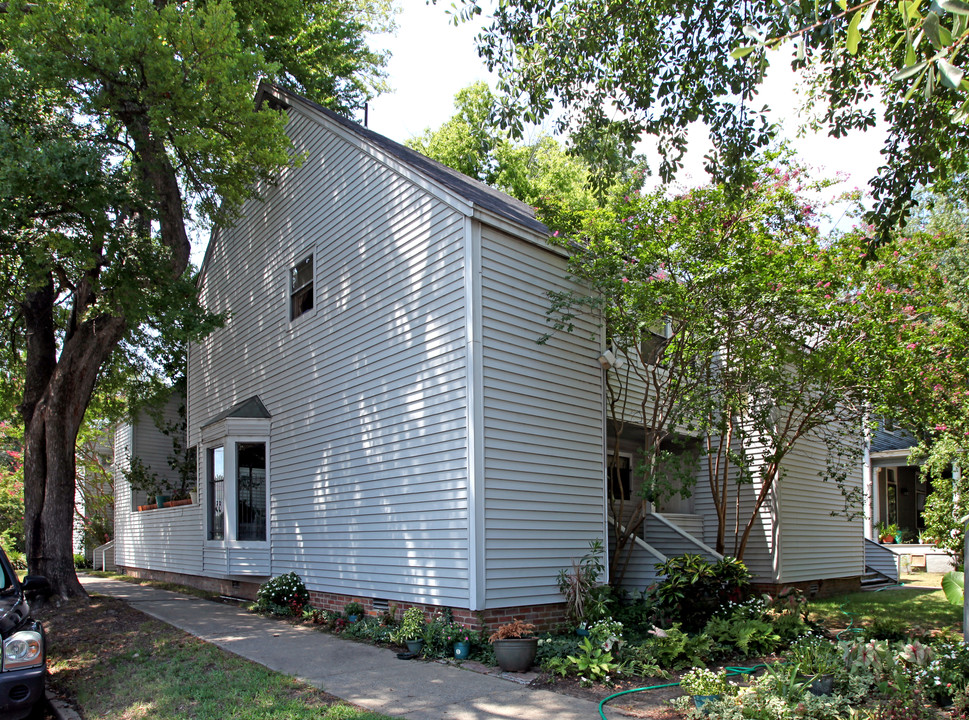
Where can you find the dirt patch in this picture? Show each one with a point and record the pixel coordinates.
(652, 704)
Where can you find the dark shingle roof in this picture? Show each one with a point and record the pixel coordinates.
(248, 408)
(471, 190)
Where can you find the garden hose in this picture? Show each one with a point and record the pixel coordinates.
(731, 671)
(851, 621)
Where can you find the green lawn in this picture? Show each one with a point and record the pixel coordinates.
(911, 607)
(114, 663)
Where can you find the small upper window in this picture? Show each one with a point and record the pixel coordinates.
(301, 288)
(656, 341)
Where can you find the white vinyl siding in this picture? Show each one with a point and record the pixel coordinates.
(368, 457)
(165, 539)
(813, 542)
(759, 554)
(543, 428)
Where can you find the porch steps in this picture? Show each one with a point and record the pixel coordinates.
(872, 581)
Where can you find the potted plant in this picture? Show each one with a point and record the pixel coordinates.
(140, 477)
(817, 660)
(887, 533)
(705, 686)
(411, 630)
(460, 637)
(515, 646)
(353, 610)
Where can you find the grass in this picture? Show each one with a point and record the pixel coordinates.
(115, 663)
(909, 607)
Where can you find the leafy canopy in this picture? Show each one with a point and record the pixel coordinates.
(622, 70)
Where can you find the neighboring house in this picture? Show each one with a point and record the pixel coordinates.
(378, 416)
(896, 496)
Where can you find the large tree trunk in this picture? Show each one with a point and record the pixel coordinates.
(54, 405)
(58, 388)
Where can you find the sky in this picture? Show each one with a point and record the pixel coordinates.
(432, 59)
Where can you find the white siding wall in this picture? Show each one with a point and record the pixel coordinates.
(813, 543)
(543, 428)
(368, 459)
(759, 555)
(167, 539)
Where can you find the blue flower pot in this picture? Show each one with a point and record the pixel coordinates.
(701, 700)
(462, 650)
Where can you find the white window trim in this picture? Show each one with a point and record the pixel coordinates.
(230, 443)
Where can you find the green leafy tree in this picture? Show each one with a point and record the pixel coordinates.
(731, 315)
(11, 488)
(540, 173)
(915, 303)
(622, 70)
(118, 124)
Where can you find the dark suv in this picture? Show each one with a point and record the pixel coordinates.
(22, 664)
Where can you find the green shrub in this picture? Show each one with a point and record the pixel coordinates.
(412, 627)
(283, 595)
(551, 647)
(815, 655)
(370, 629)
(887, 628)
(591, 663)
(80, 562)
(694, 590)
(675, 649)
(745, 636)
(17, 559)
(640, 659)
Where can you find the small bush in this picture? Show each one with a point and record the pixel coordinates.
(17, 559)
(80, 562)
(745, 636)
(674, 649)
(694, 590)
(283, 595)
(887, 628)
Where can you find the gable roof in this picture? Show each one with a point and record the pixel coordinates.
(248, 408)
(473, 191)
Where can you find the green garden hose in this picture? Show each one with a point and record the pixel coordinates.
(731, 671)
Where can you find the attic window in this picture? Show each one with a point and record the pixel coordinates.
(655, 342)
(301, 288)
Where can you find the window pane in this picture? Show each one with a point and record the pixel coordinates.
(302, 273)
(251, 491)
(217, 493)
(301, 288)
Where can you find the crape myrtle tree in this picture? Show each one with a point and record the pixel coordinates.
(914, 301)
(613, 72)
(731, 314)
(119, 123)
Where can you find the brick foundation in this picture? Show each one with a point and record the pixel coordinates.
(815, 588)
(244, 589)
(544, 617)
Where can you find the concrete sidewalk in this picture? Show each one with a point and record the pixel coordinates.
(365, 675)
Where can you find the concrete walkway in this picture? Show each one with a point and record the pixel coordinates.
(365, 675)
